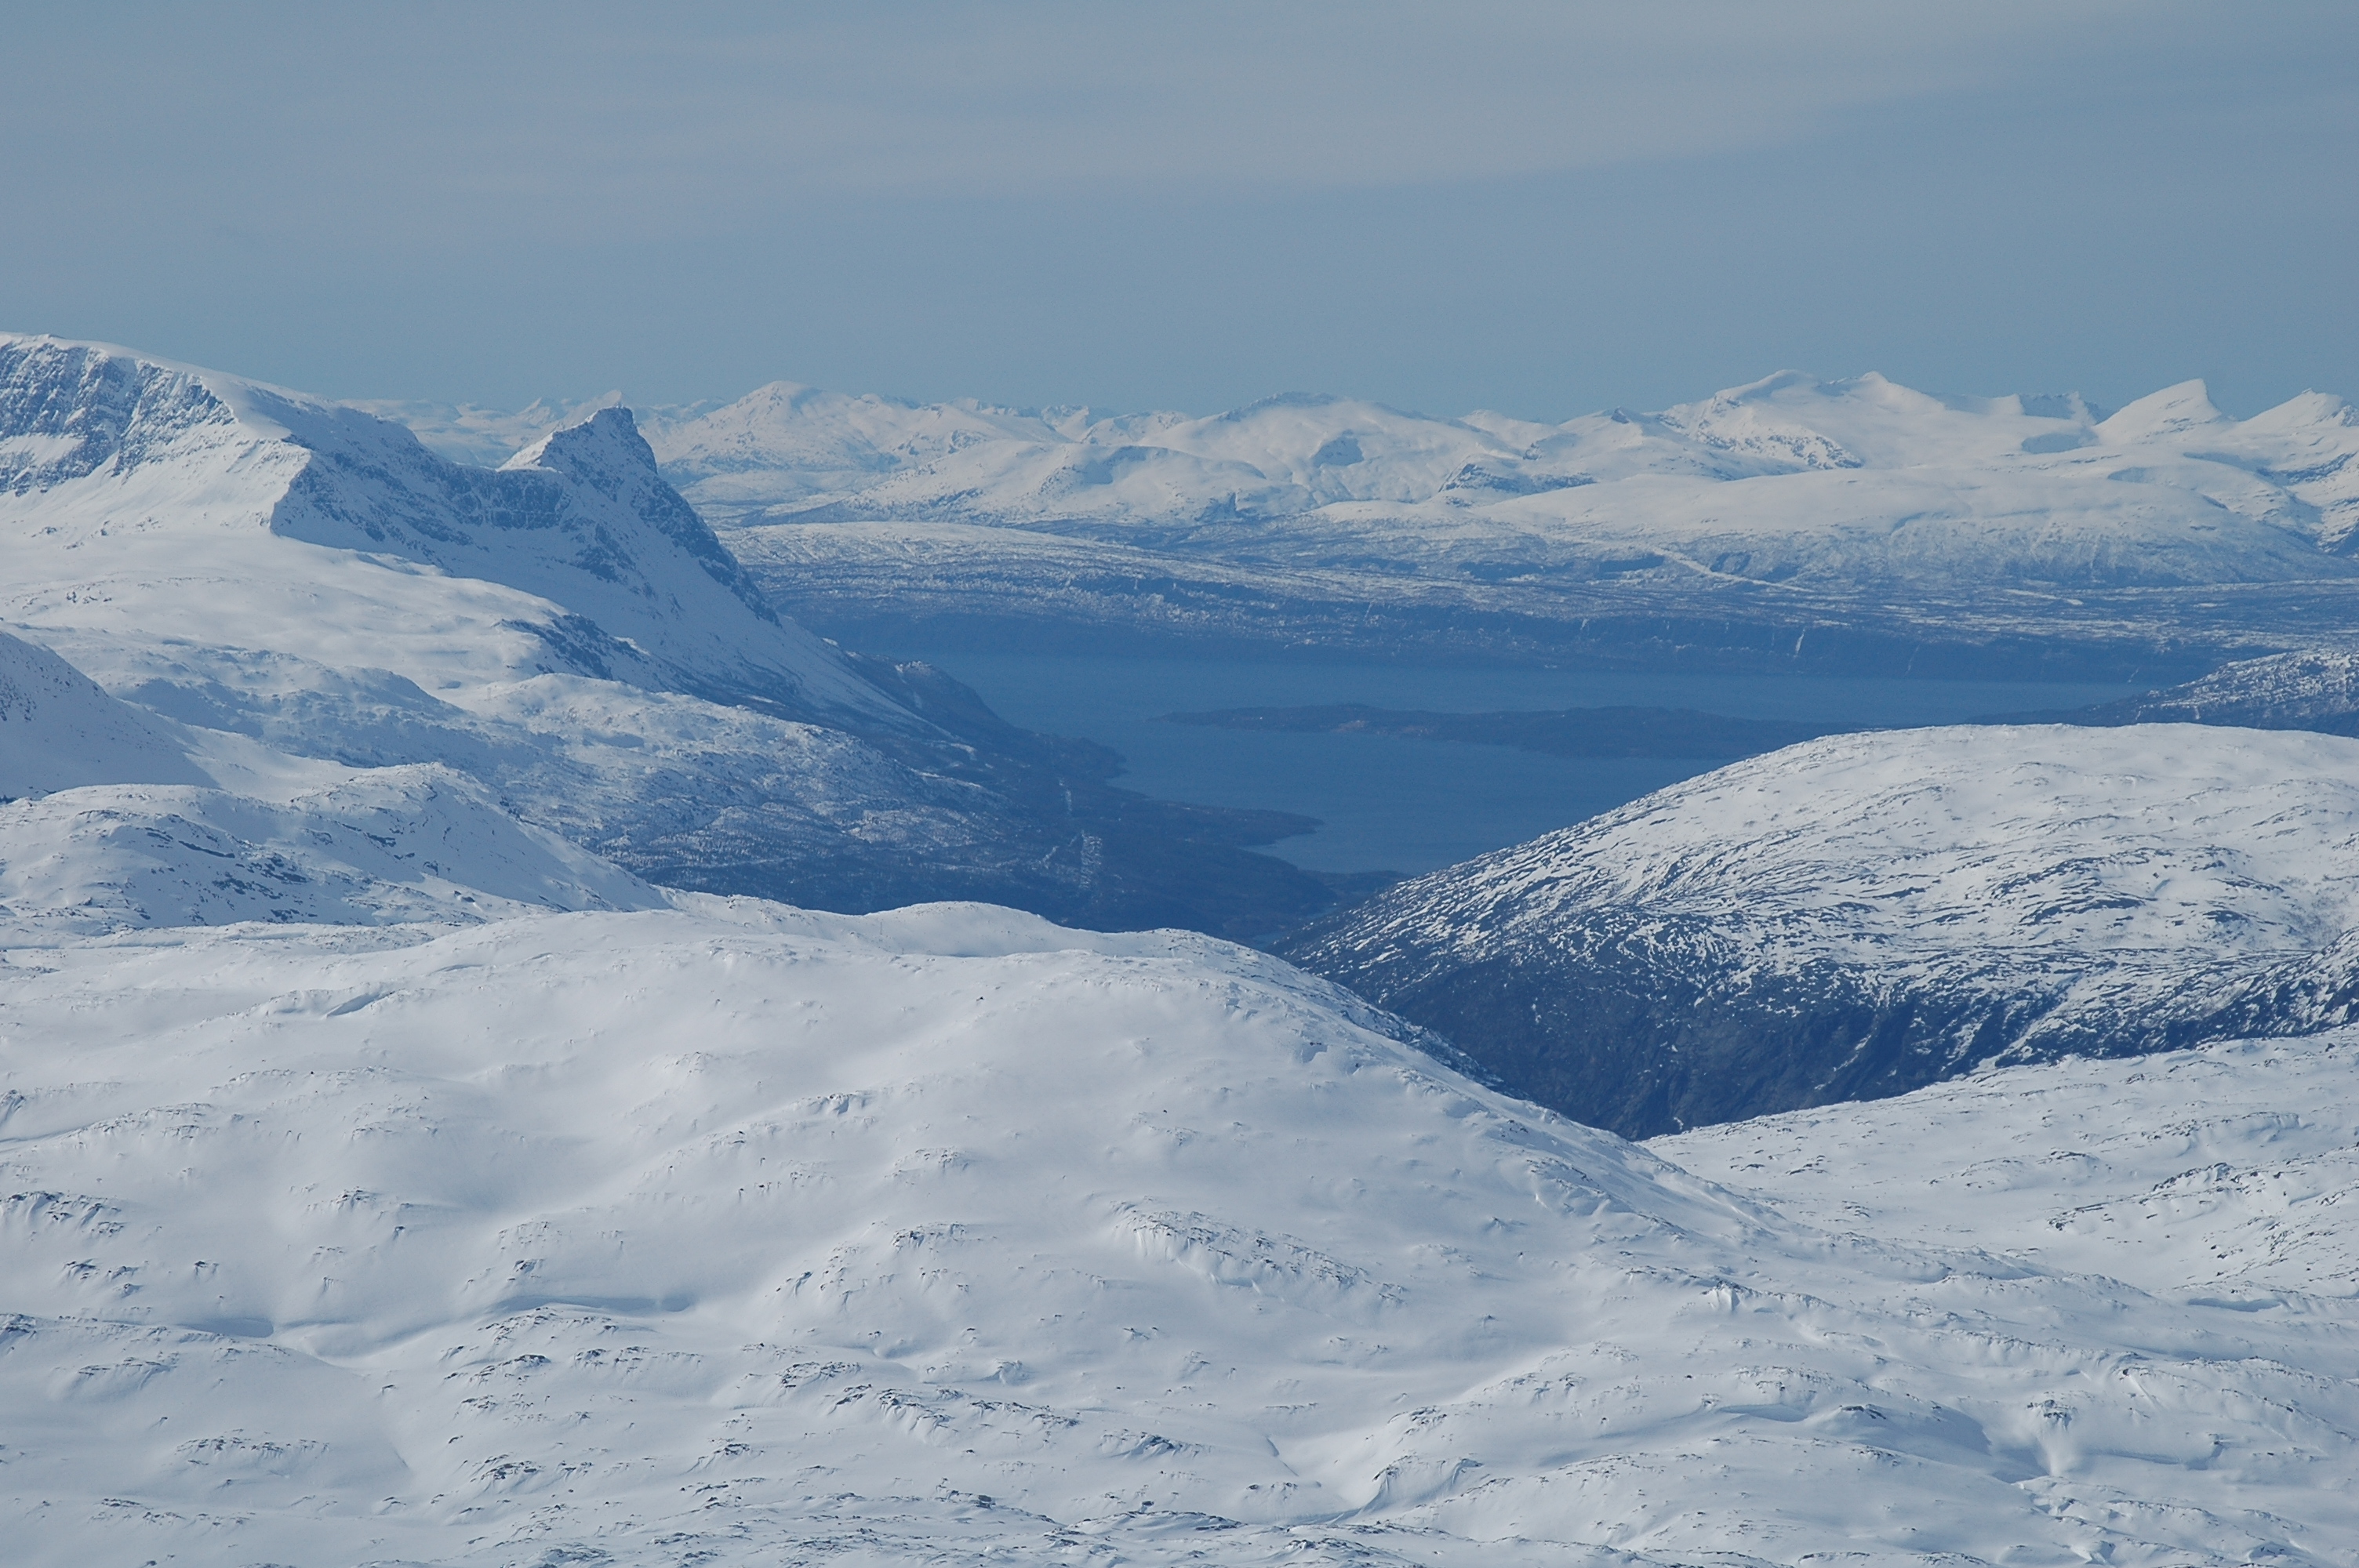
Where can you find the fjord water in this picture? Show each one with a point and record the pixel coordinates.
(1388, 802)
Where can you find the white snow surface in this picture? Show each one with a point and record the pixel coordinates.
(121, 819)
(1791, 480)
(731, 1233)
(2311, 688)
(486, 438)
(2225, 1171)
(380, 846)
(194, 505)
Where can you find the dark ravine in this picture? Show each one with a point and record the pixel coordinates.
(1652, 1032)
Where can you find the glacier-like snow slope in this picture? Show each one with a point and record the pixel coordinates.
(731, 1233)
(563, 630)
(1792, 481)
(59, 730)
(1864, 913)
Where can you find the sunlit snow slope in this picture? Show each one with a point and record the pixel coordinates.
(124, 820)
(950, 1236)
(384, 1181)
(59, 730)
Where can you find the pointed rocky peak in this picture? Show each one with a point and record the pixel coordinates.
(603, 441)
(605, 453)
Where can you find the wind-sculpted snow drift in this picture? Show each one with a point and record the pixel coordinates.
(563, 630)
(1794, 522)
(1868, 914)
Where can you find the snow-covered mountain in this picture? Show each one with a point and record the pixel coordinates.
(485, 437)
(731, 1232)
(153, 504)
(123, 820)
(385, 1180)
(1865, 914)
(563, 630)
(1791, 520)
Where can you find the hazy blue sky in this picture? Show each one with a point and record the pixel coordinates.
(1543, 209)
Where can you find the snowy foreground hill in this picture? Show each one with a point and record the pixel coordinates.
(241, 560)
(1865, 914)
(481, 1204)
(728, 1233)
(1846, 524)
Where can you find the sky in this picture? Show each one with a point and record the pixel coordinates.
(1541, 209)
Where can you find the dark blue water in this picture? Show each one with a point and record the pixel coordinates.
(1409, 806)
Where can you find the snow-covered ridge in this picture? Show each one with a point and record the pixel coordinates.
(2316, 689)
(1863, 913)
(118, 819)
(599, 566)
(564, 631)
(384, 847)
(384, 1180)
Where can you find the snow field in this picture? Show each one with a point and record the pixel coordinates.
(698, 1228)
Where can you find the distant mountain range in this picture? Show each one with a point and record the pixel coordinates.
(1790, 524)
